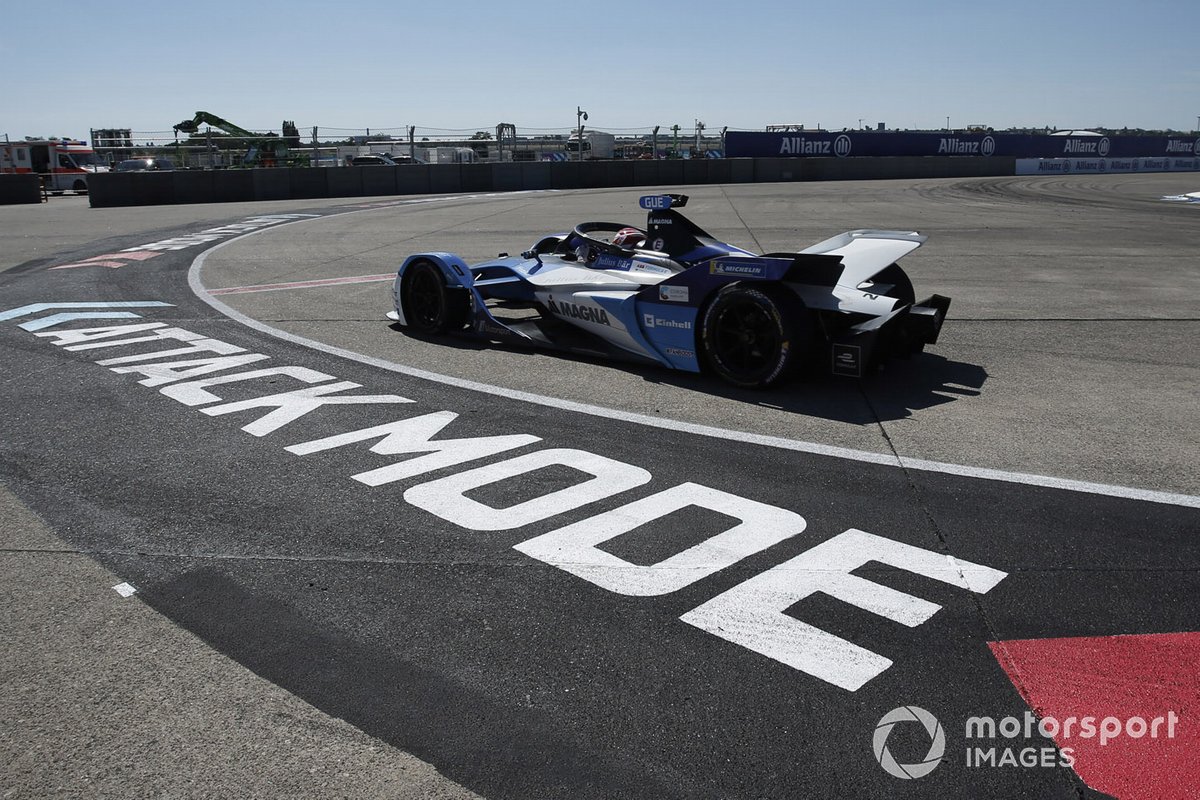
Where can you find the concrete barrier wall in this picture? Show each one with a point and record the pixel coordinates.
(25, 188)
(299, 183)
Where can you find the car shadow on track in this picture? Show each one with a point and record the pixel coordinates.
(893, 392)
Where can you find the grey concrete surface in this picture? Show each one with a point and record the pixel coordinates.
(1069, 351)
(64, 225)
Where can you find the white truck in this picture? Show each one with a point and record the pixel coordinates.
(596, 144)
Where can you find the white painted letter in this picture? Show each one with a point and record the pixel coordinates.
(193, 393)
(195, 346)
(445, 496)
(574, 548)
(74, 336)
(170, 371)
(752, 613)
(413, 436)
(290, 406)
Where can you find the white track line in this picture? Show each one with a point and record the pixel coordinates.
(919, 464)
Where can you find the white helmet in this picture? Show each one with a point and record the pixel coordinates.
(629, 238)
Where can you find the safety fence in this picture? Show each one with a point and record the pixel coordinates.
(211, 148)
(216, 186)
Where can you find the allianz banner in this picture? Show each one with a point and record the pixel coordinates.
(827, 144)
(1066, 166)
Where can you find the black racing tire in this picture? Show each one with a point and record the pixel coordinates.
(430, 306)
(754, 335)
(902, 288)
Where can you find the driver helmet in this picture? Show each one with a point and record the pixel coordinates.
(629, 238)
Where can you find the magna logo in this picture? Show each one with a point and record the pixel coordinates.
(584, 313)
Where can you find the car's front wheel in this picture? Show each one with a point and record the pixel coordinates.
(429, 304)
(753, 336)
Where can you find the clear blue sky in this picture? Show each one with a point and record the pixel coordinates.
(71, 66)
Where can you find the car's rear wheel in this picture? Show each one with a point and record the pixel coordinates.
(429, 304)
(753, 336)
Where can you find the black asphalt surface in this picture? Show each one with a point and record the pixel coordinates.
(514, 677)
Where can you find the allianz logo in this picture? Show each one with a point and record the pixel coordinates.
(801, 146)
(958, 147)
(1099, 147)
(1180, 146)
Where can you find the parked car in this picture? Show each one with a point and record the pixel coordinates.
(145, 165)
(381, 160)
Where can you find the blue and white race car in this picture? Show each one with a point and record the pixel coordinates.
(671, 294)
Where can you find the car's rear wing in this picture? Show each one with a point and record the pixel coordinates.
(865, 253)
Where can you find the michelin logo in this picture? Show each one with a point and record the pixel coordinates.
(732, 268)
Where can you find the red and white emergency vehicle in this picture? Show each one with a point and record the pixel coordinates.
(63, 163)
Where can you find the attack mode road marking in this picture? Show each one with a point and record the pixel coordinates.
(191, 368)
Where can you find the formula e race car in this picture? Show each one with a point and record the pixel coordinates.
(673, 295)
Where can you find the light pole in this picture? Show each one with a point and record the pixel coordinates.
(580, 118)
(654, 142)
(947, 123)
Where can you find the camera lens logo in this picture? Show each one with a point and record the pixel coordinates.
(937, 743)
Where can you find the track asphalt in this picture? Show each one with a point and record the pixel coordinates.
(536, 576)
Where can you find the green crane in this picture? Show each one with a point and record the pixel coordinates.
(262, 150)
